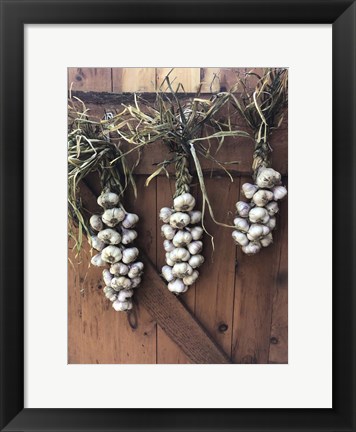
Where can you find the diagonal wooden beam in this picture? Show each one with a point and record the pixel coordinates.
(169, 312)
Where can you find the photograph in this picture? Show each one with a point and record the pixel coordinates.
(177, 215)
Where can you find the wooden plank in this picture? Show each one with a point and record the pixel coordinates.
(278, 350)
(90, 79)
(255, 285)
(188, 77)
(134, 80)
(215, 286)
(167, 350)
(106, 336)
(210, 79)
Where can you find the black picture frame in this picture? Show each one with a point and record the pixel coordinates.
(14, 15)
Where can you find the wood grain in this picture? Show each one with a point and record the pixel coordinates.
(93, 79)
(134, 80)
(188, 77)
(210, 80)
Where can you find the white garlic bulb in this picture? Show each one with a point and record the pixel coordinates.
(167, 273)
(168, 260)
(165, 213)
(241, 224)
(195, 216)
(96, 223)
(177, 286)
(98, 261)
(252, 248)
(255, 232)
(130, 220)
(96, 243)
(240, 238)
(111, 254)
(195, 247)
(107, 277)
(266, 230)
(196, 232)
(243, 209)
(266, 240)
(271, 224)
(168, 245)
(179, 220)
(129, 255)
(268, 178)
(108, 200)
(121, 306)
(135, 282)
(182, 238)
(128, 236)
(110, 293)
(262, 197)
(124, 294)
(249, 190)
(109, 236)
(180, 270)
(196, 261)
(179, 254)
(119, 269)
(184, 202)
(168, 232)
(272, 208)
(136, 269)
(258, 214)
(112, 217)
(121, 282)
(279, 192)
(189, 280)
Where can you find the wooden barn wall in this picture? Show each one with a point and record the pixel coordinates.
(241, 301)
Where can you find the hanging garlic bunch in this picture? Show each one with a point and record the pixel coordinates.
(256, 219)
(113, 241)
(182, 232)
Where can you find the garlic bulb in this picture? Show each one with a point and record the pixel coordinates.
(128, 236)
(189, 280)
(179, 220)
(98, 261)
(262, 197)
(179, 254)
(241, 224)
(121, 306)
(135, 282)
(121, 282)
(196, 261)
(108, 200)
(107, 277)
(267, 178)
(129, 255)
(177, 286)
(195, 247)
(180, 270)
(96, 243)
(111, 254)
(112, 217)
(135, 270)
(168, 232)
(272, 208)
(109, 236)
(279, 192)
(243, 208)
(252, 248)
(256, 219)
(240, 238)
(196, 232)
(195, 216)
(182, 238)
(249, 190)
(119, 269)
(130, 220)
(167, 273)
(184, 202)
(110, 293)
(124, 294)
(168, 245)
(165, 213)
(168, 260)
(96, 223)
